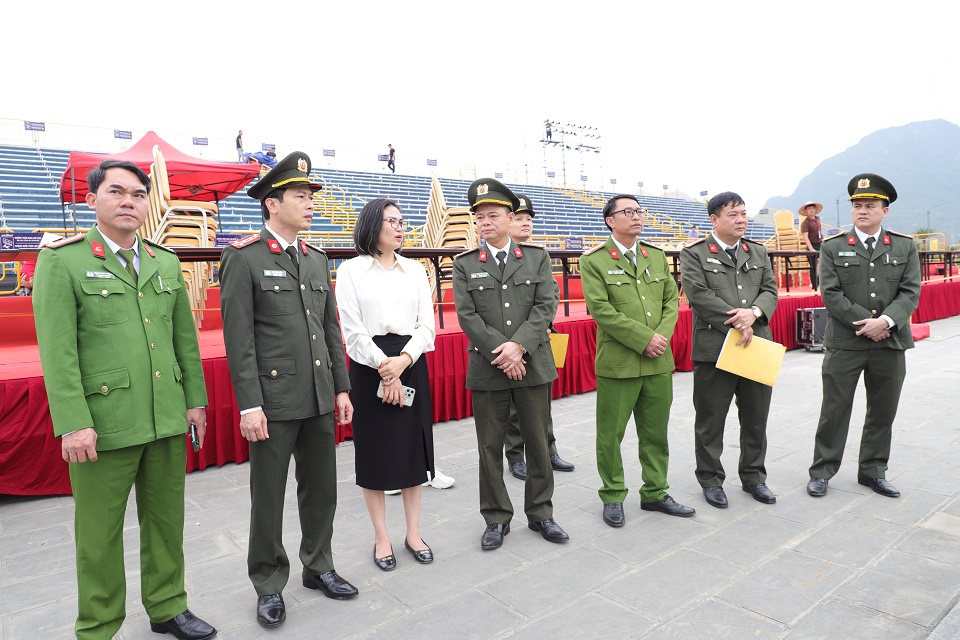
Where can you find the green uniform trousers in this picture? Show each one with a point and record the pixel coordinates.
(883, 372)
(513, 441)
(312, 443)
(713, 389)
(100, 492)
(648, 398)
(491, 416)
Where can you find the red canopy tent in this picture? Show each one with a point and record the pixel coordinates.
(190, 178)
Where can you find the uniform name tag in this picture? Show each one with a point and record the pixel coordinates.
(846, 254)
(482, 274)
(714, 261)
(614, 272)
(275, 274)
(106, 275)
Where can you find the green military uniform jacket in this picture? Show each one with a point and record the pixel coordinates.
(629, 305)
(117, 355)
(280, 328)
(855, 286)
(713, 285)
(517, 306)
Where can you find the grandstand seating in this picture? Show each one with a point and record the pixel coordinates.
(29, 199)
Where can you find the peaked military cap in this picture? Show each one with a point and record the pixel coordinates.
(525, 205)
(870, 185)
(292, 171)
(490, 191)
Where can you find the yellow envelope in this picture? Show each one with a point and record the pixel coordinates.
(759, 362)
(558, 344)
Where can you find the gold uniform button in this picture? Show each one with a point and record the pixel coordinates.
(313, 337)
(847, 264)
(308, 311)
(638, 282)
(655, 280)
(480, 289)
(104, 388)
(157, 374)
(871, 264)
(146, 320)
(873, 311)
(649, 314)
(506, 304)
(709, 327)
(140, 294)
(894, 261)
(504, 286)
(104, 292)
(509, 322)
(273, 373)
(618, 283)
(643, 297)
(873, 295)
(316, 362)
(153, 345)
(276, 288)
(528, 282)
(739, 286)
(873, 279)
(744, 301)
(714, 270)
(302, 287)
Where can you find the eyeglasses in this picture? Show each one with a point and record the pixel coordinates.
(399, 225)
(630, 213)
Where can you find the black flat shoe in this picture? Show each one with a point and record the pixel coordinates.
(715, 497)
(668, 506)
(271, 612)
(492, 537)
(185, 626)
(613, 514)
(760, 493)
(881, 486)
(559, 464)
(518, 470)
(386, 563)
(331, 584)
(550, 530)
(424, 556)
(817, 487)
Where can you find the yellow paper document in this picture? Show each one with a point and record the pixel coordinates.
(759, 362)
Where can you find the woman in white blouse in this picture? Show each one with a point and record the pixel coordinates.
(386, 313)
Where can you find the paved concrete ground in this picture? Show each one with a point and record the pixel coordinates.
(852, 565)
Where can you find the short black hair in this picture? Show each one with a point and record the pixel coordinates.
(99, 173)
(721, 200)
(612, 202)
(369, 222)
(276, 193)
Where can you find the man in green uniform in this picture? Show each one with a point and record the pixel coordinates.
(506, 298)
(633, 299)
(520, 231)
(286, 358)
(122, 370)
(870, 282)
(729, 283)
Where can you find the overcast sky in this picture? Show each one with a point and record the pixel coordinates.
(746, 96)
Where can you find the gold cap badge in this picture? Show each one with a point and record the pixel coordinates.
(301, 165)
(864, 183)
(482, 190)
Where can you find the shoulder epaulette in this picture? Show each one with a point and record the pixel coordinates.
(314, 247)
(760, 244)
(649, 244)
(842, 234)
(460, 255)
(158, 246)
(902, 235)
(594, 248)
(694, 242)
(530, 244)
(64, 242)
(245, 242)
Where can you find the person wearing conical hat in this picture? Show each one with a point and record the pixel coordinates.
(810, 232)
(870, 283)
(285, 352)
(506, 298)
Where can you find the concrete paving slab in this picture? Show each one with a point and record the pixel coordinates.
(714, 620)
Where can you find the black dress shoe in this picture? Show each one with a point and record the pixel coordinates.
(881, 486)
(271, 612)
(550, 530)
(760, 493)
(715, 497)
(559, 464)
(817, 487)
(331, 584)
(387, 562)
(613, 514)
(668, 506)
(492, 537)
(185, 626)
(424, 556)
(519, 470)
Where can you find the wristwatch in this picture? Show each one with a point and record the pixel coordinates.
(756, 312)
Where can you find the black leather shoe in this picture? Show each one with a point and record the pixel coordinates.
(613, 514)
(559, 464)
(881, 486)
(715, 497)
(760, 493)
(519, 470)
(492, 537)
(387, 562)
(817, 487)
(550, 530)
(668, 506)
(185, 626)
(331, 584)
(424, 556)
(271, 612)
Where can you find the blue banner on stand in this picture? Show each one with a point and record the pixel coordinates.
(223, 239)
(17, 240)
(122, 135)
(573, 243)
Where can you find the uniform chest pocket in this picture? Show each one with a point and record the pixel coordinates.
(893, 270)
(525, 289)
(654, 284)
(751, 274)
(848, 269)
(110, 400)
(715, 275)
(104, 301)
(483, 292)
(621, 288)
(277, 296)
(167, 288)
(319, 289)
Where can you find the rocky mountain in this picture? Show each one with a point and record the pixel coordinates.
(921, 159)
